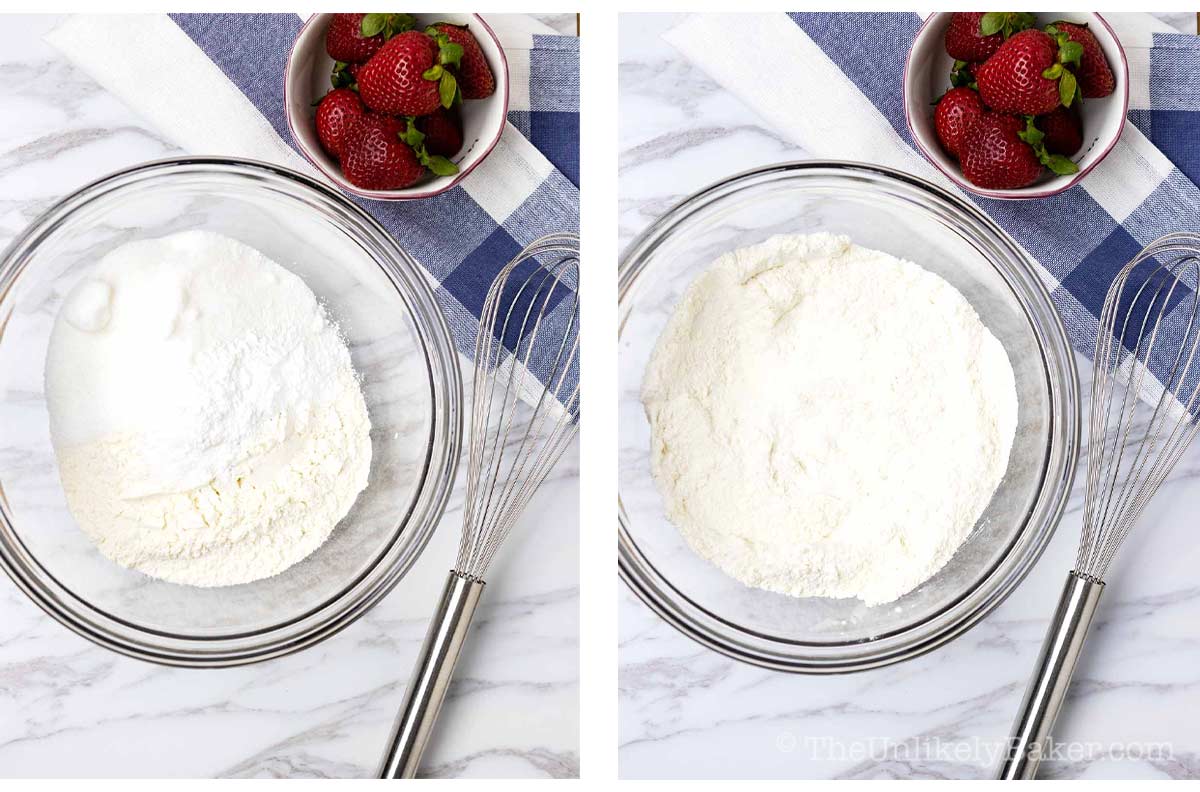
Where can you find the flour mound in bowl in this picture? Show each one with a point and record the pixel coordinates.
(208, 423)
(827, 420)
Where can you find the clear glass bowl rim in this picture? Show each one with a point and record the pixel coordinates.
(728, 638)
(358, 595)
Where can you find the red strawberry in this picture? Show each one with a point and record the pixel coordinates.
(336, 113)
(375, 158)
(1063, 131)
(1005, 152)
(956, 111)
(344, 41)
(475, 78)
(974, 36)
(443, 132)
(393, 81)
(1027, 75)
(1095, 77)
(995, 157)
(354, 38)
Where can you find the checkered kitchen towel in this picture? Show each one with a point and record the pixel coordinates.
(213, 84)
(835, 89)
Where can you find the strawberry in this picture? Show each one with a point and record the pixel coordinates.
(1028, 75)
(345, 42)
(974, 36)
(395, 80)
(336, 113)
(475, 78)
(375, 158)
(956, 111)
(443, 132)
(1063, 131)
(354, 38)
(1004, 152)
(1095, 76)
(994, 156)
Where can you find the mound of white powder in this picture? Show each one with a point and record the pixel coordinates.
(208, 424)
(827, 420)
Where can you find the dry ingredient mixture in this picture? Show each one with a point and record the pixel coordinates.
(827, 420)
(209, 426)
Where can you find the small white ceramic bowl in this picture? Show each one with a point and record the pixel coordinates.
(306, 79)
(927, 77)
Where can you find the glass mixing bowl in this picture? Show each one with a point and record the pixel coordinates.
(906, 217)
(400, 346)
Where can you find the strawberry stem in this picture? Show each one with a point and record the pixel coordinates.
(1036, 139)
(415, 139)
(1069, 53)
(1006, 22)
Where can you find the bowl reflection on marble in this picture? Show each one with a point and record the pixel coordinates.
(883, 210)
(400, 346)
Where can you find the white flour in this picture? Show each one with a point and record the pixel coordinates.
(208, 423)
(827, 420)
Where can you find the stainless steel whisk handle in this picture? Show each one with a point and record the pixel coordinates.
(431, 678)
(1052, 677)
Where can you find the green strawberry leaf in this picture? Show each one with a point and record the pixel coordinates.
(1031, 134)
(1060, 164)
(399, 23)
(1070, 52)
(1052, 29)
(961, 76)
(373, 24)
(433, 73)
(1037, 141)
(1006, 22)
(991, 23)
(1054, 72)
(1019, 21)
(439, 165)
(1066, 88)
(448, 89)
(411, 135)
(450, 53)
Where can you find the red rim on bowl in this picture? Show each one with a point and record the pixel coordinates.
(1021, 193)
(395, 195)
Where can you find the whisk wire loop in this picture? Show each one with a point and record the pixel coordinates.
(1150, 322)
(529, 323)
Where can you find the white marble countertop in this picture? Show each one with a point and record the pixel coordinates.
(68, 707)
(686, 711)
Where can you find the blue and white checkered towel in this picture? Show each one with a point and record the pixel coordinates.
(835, 89)
(213, 84)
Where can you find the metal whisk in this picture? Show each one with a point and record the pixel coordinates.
(525, 413)
(1150, 320)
